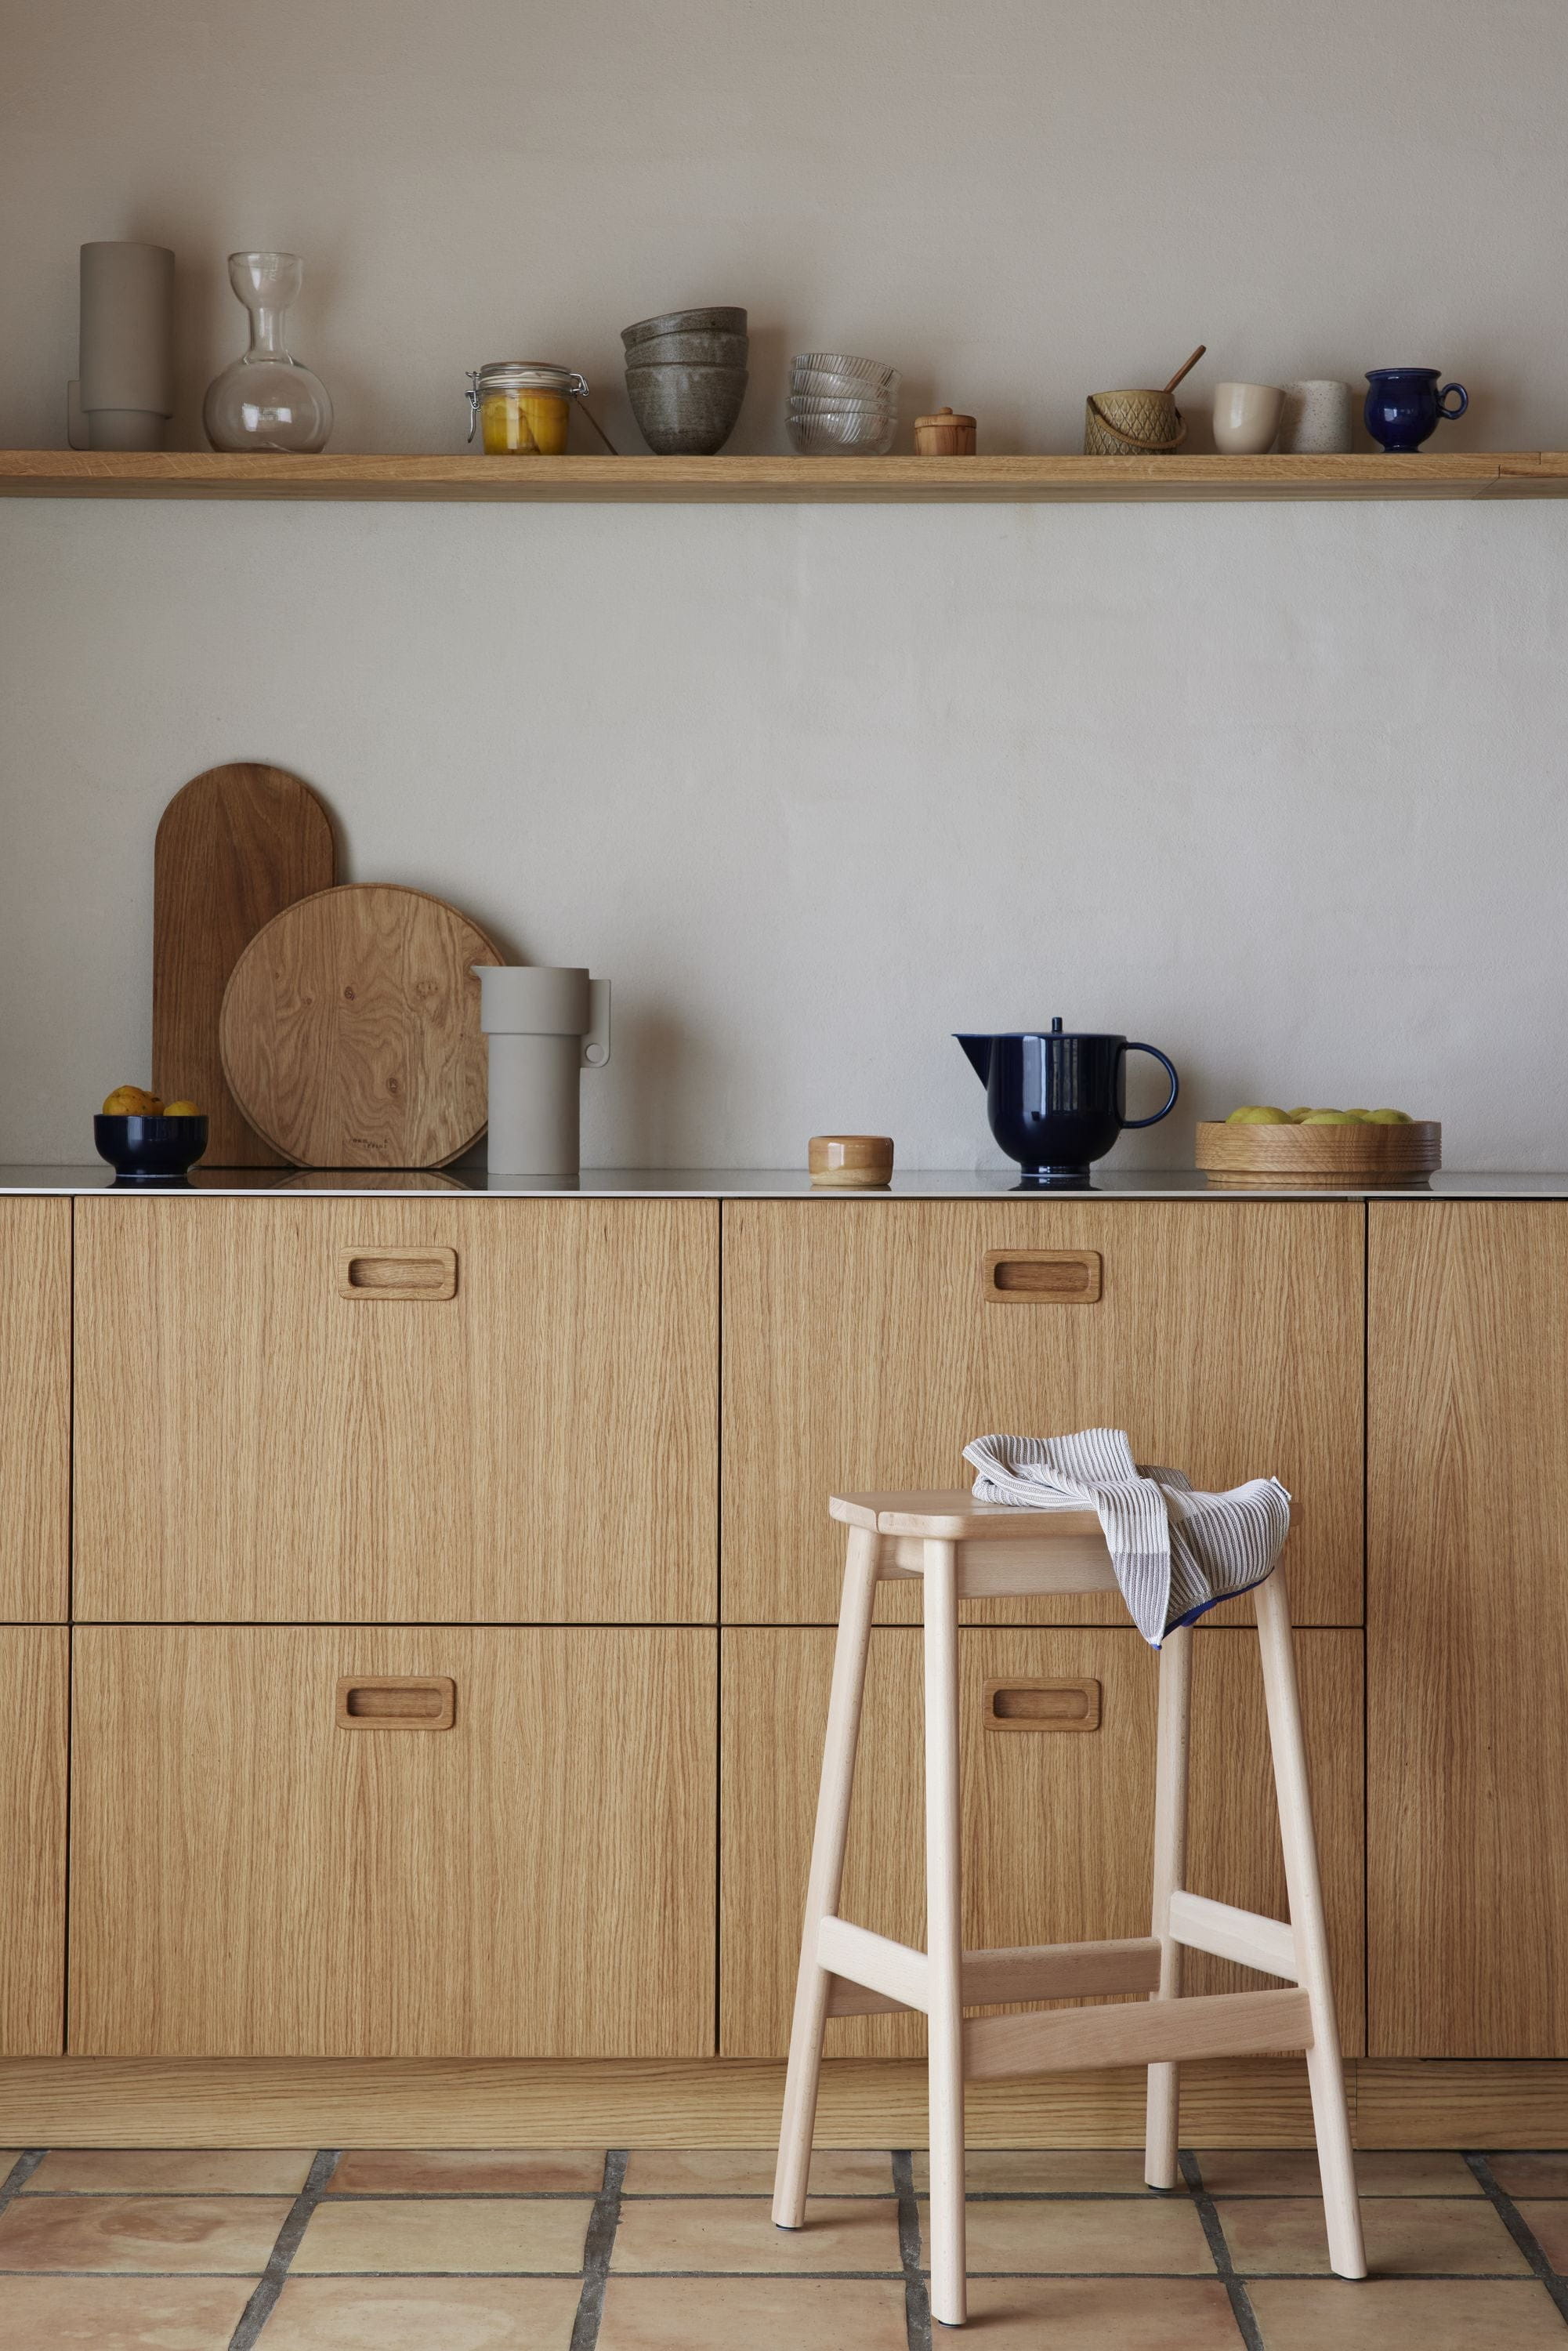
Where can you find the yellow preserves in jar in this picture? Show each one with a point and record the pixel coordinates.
(522, 407)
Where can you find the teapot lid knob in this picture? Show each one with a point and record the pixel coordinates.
(1056, 1026)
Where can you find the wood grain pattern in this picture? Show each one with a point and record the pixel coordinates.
(541, 1447)
(246, 1880)
(1328, 1157)
(1467, 1628)
(34, 1409)
(434, 2102)
(858, 1353)
(33, 1718)
(203, 474)
(1145, 2033)
(1057, 1832)
(233, 847)
(350, 1030)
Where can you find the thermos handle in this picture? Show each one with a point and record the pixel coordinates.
(596, 1042)
(1169, 1102)
(1452, 415)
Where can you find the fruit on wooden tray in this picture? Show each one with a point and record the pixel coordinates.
(1257, 1114)
(1264, 1114)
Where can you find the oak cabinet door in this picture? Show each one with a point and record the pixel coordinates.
(384, 1410)
(278, 1851)
(33, 1707)
(1058, 1822)
(34, 1409)
(864, 1346)
(1468, 1629)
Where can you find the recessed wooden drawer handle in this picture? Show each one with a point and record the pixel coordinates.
(1040, 1277)
(397, 1702)
(397, 1273)
(1042, 1706)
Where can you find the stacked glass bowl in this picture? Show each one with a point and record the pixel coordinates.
(842, 406)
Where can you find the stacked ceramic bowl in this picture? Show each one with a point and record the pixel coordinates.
(686, 378)
(840, 405)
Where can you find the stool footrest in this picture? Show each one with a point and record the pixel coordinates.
(1153, 2033)
(1267, 1944)
(874, 1974)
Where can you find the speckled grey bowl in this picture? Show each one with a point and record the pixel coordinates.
(690, 350)
(686, 411)
(719, 321)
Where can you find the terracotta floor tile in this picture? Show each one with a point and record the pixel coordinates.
(101, 2314)
(172, 2171)
(737, 2233)
(1097, 2314)
(423, 2314)
(1162, 2235)
(445, 2234)
(772, 2313)
(1402, 2315)
(1406, 2236)
(748, 2171)
(1531, 2175)
(469, 2172)
(185, 2234)
(1293, 2171)
(1549, 2222)
(1046, 2171)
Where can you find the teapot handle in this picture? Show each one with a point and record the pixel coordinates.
(1169, 1102)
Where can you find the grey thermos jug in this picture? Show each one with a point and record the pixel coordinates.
(544, 1027)
(124, 396)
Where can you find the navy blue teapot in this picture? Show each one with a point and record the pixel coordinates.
(1058, 1100)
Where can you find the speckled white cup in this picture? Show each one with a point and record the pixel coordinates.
(1315, 420)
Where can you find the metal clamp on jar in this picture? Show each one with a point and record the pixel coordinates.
(523, 407)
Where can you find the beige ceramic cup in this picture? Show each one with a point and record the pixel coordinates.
(1245, 418)
(851, 1162)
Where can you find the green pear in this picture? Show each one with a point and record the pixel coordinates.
(1329, 1118)
(1390, 1118)
(1257, 1114)
(1358, 1114)
(1303, 1109)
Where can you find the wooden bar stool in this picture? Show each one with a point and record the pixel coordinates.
(968, 1550)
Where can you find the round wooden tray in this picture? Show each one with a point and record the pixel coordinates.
(1333, 1156)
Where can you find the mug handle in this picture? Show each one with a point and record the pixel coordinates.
(1453, 414)
(1169, 1102)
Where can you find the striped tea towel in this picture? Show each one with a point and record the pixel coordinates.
(1175, 1552)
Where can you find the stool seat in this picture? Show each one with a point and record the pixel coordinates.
(963, 1549)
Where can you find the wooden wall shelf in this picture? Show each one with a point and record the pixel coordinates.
(193, 474)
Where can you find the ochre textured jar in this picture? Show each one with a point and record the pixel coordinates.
(522, 407)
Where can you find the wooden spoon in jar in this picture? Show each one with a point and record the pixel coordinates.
(1185, 365)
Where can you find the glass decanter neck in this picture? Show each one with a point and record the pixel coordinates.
(267, 338)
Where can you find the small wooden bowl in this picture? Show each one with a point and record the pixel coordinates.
(1330, 1156)
(851, 1162)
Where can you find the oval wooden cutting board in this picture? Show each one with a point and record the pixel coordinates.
(350, 1030)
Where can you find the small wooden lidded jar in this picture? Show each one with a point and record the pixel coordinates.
(854, 1163)
(944, 435)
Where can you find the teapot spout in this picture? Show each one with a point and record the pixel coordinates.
(979, 1050)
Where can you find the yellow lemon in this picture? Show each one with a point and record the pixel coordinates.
(1303, 1109)
(1329, 1118)
(1390, 1118)
(1257, 1114)
(131, 1101)
(180, 1109)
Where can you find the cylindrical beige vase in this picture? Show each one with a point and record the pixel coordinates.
(124, 395)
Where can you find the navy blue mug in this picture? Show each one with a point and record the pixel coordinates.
(1404, 405)
(1058, 1100)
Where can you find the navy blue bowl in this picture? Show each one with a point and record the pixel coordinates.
(149, 1150)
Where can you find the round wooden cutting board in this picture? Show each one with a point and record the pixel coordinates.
(350, 1030)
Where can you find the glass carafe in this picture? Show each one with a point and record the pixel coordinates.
(266, 400)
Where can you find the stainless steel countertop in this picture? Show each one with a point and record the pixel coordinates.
(753, 1183)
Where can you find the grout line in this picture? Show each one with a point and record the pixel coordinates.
(597, 2247)
(1241, 2308)
(260, 2308)
(916, 2295)
(1520, 2229)
(21, 2172)
(71, 1625)
(1366, 2034)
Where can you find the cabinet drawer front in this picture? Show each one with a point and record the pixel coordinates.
(251, 1877)
(34, 1409)
(1057, 1831)
(33, 1709)
(866, 1342)
(325, 1410)
(1467, 1628)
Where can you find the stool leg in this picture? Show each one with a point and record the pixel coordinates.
(1170, 1871)
(1325, 2074)
(826, 1880)
(945, 1938)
